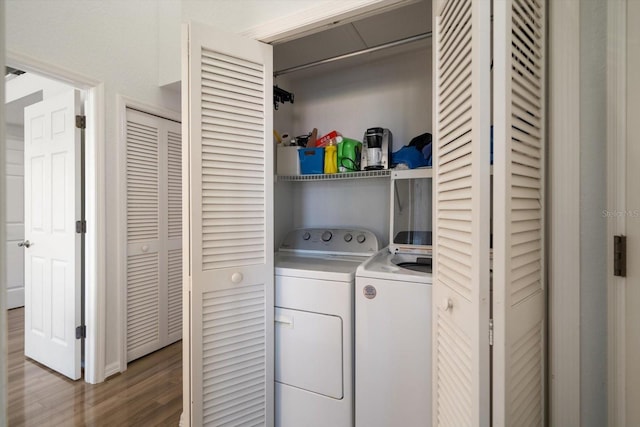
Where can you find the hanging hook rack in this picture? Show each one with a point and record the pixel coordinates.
(281, 96)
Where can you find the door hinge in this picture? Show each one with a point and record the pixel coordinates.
(490, 332)
(81, 332)
(81, 227)
(620, 256)
(81, 122)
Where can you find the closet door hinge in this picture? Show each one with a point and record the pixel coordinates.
(81, 227)
(620, 256)
(490, 332)
(81, 332)
(81, 122)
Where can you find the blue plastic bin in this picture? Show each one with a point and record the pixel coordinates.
(311, 160)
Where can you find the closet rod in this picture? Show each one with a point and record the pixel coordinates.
(352, 54)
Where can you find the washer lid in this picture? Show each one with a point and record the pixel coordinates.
(337, 268)
(383, 265)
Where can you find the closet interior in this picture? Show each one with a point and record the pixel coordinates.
(372, 72)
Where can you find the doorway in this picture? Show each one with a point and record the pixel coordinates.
(45, 178)
(49, 247)
(93, 275)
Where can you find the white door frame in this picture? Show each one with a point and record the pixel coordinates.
(4, 330)
(95, 301)
(616, 203)
(124, 102)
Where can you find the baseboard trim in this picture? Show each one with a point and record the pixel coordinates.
(112, 369)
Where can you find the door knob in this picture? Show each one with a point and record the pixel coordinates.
(236, 277)
(26, 244)
(447, 304)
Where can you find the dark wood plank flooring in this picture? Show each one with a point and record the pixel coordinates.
(149, 393)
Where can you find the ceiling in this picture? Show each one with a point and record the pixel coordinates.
(368, 32)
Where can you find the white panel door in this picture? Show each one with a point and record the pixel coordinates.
(15, 220)
(518, 213)
(154, 246)
(228, 83)
(461, 366)
(52, 256)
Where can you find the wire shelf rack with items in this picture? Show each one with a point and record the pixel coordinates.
(384, 173)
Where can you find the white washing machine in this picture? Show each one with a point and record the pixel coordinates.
(315, 275)
(393, 341)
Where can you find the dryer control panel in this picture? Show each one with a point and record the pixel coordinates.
(342, 241)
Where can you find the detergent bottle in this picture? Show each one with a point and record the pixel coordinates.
(331, 158)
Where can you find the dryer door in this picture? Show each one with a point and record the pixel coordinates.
(308, 351)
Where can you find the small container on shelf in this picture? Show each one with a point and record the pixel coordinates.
(311, 160)
(287, 161)
(348, 154)
(325, 140)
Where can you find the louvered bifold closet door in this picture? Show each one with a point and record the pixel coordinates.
(231, 221)
(154, 232)
(518, 275)
(461, 382)
(143, 235)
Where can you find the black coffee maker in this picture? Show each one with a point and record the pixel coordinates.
(376, 149)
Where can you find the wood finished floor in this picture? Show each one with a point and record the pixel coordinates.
(149, 393)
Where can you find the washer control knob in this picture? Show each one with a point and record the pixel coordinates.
(361, 238)
(306, 235)
(326, 236)
(348, 237)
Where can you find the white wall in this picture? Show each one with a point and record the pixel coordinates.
(593, 226)
(14, 270)
(226, 15)
(114, 42)
(357, 203)
(29, 83)
(393, 91)
(576, 197)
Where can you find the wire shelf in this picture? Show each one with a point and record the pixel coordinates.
(383, 173)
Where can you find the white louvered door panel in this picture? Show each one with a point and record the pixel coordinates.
(143, 235)
(518, 275)
(154, 269)
(231, 215)
(461, 382)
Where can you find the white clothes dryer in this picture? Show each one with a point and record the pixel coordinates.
(314, 279)
(393, 341)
